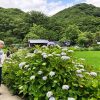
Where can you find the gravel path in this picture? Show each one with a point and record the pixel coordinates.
(6, 95)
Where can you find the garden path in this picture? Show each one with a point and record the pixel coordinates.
(6, 95)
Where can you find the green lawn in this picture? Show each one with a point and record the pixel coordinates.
(91, 57)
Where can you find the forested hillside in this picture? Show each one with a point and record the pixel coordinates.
(86, 17)
(81, 20)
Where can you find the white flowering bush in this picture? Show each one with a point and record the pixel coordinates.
(51, 73)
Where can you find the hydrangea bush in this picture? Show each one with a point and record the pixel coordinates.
(51, 73)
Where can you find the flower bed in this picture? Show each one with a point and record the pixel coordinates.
(51, 73)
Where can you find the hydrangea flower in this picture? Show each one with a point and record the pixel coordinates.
(52, 73)
(93, 73)
(26, 66)
(44, 46)
(45, 56)
(40, 72)
(35, 51)
(63, 53)
(58, 55)
(22, 64)
(43, 53)
(30, 55)
(32, 77)
(70, 51)
(82, 70)
(44, 78)
(52, 98)
(79, 75)
(49, 94)
(65, 57)
(82, 66)
(78, 71)
(70, 98)
(65, 87)
(64, 49)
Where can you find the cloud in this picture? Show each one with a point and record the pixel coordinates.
(44, 6)
(94, 2)
(49, 8)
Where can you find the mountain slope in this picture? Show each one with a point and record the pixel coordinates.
(87, 17)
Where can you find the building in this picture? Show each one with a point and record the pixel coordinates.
(40, 42)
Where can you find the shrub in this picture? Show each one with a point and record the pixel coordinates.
(51, 73)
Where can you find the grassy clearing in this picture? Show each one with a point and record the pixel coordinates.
(92, 57)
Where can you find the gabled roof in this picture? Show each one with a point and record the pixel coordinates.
(38, 41)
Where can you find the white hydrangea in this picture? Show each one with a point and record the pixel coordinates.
(78, 71)
(30, 55)
(82, 70)
(44, 78)
(80, 65)
(43, 53)
(40, 72)
(65, 57)
(63, 53)
(32, 77)
(44, 46)
(49, 94)
(79, 75)
(39, 51)
(22, 64)
(58, 55)
(52, 98)
(45, 56)
(35, 51)
(26, 66)
(70, 51)
(52, 73)
(64, 49)
(65, 87)
(73, 62)
(70, 98)
(93, 73)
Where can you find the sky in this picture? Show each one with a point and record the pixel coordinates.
(48, 7)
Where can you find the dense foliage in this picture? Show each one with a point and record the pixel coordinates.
(69, 24)
(86, 17)
(51, 73)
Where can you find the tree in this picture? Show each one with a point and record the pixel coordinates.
(71, 33)
(97, 36)
(38, 18)
(30, 36)
(86, 39)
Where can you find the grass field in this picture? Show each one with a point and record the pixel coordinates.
(91, 57)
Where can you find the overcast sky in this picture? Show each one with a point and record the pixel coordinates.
(49, 7)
